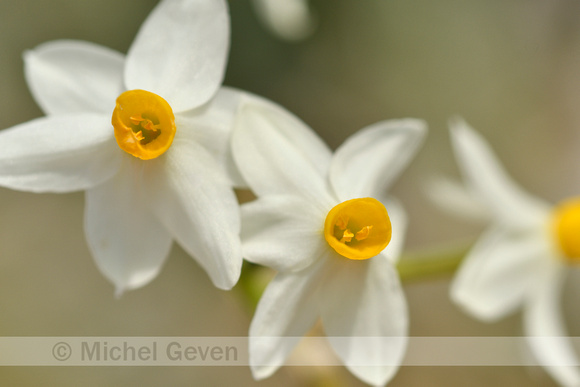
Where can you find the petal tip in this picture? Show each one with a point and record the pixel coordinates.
(460, 129)
(457, 121)
(119, 291)
(473, 307)
(231, 275)
(262, 372)
(28, 55)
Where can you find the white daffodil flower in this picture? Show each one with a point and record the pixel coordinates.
(522, 259)
(291, 20)
(155, 162)
(321, 221)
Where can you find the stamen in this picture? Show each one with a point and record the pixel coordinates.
(136, 120)
(346, 236)
(138, 136)
(363, 233)
(149, 125)
(342, 222)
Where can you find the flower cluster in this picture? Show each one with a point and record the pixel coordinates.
(159, 145)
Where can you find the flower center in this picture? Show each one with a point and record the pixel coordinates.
(567, 228)
(358, 228)
(144, 124)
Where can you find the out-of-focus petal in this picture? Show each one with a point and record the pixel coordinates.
(67, 76)
(279, 154)
(544, 328)
(368, 162)
(196, 203)
(282, 232)
(399, 225)
(127, 241)
(499, 272)
(180, 52)
(58, 153)
(456, 199)
(211, 126)
(364, 314)
(290, 19)
(507, 202)
(288, 308)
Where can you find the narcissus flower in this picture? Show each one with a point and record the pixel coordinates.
(325, 223)
(522, 259)
(145, 135)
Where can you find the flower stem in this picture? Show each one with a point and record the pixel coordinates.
(415, 266)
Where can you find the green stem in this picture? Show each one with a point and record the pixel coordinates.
(431, 263)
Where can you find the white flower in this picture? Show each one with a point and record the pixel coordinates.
(291, 20)
(303, 208)
(159, 187)
(521, 260)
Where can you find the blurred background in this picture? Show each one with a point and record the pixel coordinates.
(510, 68)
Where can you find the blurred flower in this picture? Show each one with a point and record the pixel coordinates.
(321, 222)
(521, 260)
(172, 179)
(291, 20)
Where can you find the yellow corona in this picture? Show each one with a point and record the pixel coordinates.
(358, 228)
(144, 124)
(567, 228)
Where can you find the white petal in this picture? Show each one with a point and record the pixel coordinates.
(290, 19)
(127, 241)
(498, 273)
(288, 308)
(197, 205)
(211, 126)
(365, 317)
(399, 225)
(369, 161)
(67, 76)
(456, 199)
(283, 232)
(279, 154)
(505, 199)
(180, 52)
(543, 325)
(58, 153)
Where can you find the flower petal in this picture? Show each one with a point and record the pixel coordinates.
(368, 162)
(279, 154)
(180, 52)
(282, 232)
(211, 126)
(399, 225)
(291, 19)
(498, 272)
(365, 317)
(67, 76)
(288, 308)
(456, 199)
(58, 153)
(127, 241)
(485, 176)
(196, 203)
(545, 330)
